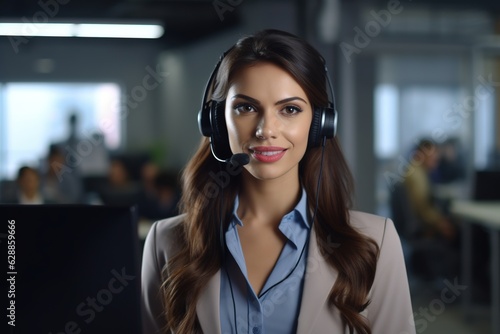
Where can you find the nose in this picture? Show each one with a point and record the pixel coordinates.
(267, 126)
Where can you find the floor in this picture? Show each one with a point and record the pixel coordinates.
(435, 314)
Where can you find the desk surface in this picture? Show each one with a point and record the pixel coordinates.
(484, 213)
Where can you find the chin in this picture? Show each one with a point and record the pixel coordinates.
(264, 173)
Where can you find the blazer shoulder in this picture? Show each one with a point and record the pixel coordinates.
(163, 238)
(166, 228)
(371, 225)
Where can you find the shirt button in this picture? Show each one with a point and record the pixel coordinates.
(255, 330)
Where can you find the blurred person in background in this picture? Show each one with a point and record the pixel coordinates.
(435, 233)
(118, 176)
(451, 164)
(119, 188)
(418, 184)
(96, 162)
(60, 181)
(159, 195)
(28, 182)
(73, 139)
(147, 198)
(167, 190)
(149, 171)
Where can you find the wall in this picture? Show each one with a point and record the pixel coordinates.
(92, 60)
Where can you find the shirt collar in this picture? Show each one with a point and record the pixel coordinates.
(291, 224)
(236, 219)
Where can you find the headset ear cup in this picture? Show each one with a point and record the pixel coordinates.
(315, 130)
(220, 139)
(324, 124)
(204, 120)
(329, 128)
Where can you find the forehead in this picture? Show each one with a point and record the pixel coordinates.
(265, 76)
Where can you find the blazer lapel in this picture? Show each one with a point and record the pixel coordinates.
(207, 307)
(319, 279)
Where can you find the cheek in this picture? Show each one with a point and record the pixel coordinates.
(238, 131)
(299, 133)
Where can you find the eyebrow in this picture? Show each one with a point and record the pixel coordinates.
(257, 102)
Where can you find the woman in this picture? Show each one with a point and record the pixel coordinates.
(272, 247)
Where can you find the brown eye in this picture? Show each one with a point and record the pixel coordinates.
(291, 110)
(244, 108)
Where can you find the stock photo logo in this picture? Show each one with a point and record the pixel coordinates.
(74, 156)
(48, 10)
(424, 316)
(455, 117)
(372, 29)
(223, 6)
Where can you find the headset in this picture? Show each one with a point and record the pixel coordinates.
(212, 121)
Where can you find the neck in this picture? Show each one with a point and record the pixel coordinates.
(267, 201)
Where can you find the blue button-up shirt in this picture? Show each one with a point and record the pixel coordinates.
(277, 308)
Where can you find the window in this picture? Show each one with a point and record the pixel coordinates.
(35, 115)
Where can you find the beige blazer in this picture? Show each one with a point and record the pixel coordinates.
(389, 312)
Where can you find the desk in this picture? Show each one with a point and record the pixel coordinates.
(486, 214)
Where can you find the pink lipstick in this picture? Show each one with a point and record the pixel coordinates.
(267, 154)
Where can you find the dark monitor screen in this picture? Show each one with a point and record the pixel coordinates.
(76, 269)
(487, 185)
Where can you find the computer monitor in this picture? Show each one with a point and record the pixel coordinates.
(76, 269)
(487, 185)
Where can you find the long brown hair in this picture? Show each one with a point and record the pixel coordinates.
(199, 257)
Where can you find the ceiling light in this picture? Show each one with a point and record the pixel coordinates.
(101, 30)
(119, 30)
